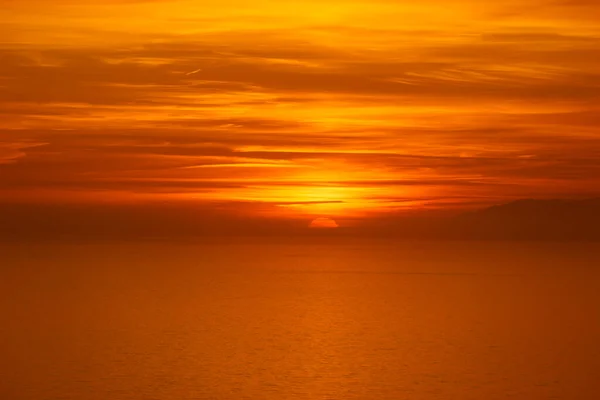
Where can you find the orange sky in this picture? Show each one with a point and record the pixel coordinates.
(299, 108)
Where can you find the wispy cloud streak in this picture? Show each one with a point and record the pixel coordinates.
(315, 106)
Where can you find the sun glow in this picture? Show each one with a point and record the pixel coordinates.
(318, 200)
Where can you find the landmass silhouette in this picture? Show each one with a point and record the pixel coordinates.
(528, 219)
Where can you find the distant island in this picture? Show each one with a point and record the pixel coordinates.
(533, 219)
(526, 219)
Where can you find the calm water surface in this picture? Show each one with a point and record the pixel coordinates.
(276, 321)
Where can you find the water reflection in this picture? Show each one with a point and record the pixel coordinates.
(301, 322)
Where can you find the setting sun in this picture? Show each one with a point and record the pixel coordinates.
(323, 223)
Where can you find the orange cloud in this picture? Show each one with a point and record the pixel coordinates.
(308, 108)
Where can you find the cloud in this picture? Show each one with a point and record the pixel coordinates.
(270, 104)
(11, 152)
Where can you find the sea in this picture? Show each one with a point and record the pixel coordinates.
(300, 319)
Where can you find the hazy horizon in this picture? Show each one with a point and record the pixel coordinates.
(559, 219)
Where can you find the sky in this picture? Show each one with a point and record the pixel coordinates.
(298, 110)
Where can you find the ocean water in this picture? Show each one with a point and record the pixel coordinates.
(329, 319)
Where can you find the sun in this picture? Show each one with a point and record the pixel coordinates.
(323, 223)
